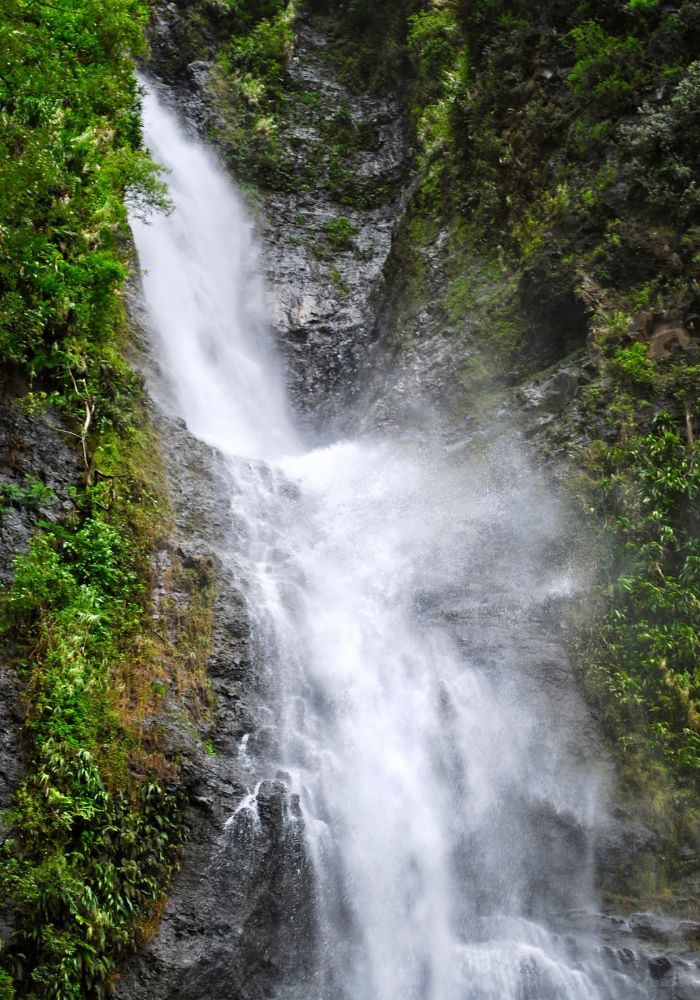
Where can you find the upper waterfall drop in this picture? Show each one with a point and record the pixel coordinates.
(206, 299)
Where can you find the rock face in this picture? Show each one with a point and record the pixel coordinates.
(240, 902)
(324, 244)
(324, 260)
(37, 465)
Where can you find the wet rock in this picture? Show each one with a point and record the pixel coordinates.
(558, 316)
(628, 856)
(238, 917)
(549, 394)
(659, 967)
(32, 448)
(322, 294)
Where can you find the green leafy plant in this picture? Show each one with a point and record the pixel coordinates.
(32, 495)
(340, 233)
(631, 365)
(69, 129)
(97, 822)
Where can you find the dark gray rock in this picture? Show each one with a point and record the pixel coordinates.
(31, 448)
(659, 967)
(323, 297)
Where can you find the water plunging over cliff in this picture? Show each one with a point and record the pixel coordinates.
(205, 295)
(403, 599)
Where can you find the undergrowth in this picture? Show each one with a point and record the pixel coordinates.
(565, 137)
(97, 824)
(645, 484)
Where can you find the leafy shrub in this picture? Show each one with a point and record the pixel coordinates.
(432, 41)
(608, 68)
(651, 635)
(33, 495)
(249, 87)
(663, 149)
(69, 132)
(632, 366)
(340, 233)
(7, 990)
(92, 845)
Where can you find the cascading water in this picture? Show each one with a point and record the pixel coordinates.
(403, 597)
(205, 295)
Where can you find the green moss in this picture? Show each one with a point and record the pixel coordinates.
(432, 45)
(631, 366)
(94, 836)
(368, 40)
(7, 990)
(33, 494)
(250, 89)
(645, 651)
(608, 68)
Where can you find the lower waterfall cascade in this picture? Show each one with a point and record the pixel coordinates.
(403, 597)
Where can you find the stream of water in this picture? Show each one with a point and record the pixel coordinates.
(406, 598)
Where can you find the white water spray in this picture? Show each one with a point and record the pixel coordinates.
(404, 592)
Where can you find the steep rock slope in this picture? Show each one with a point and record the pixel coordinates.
(39, 468)
(323, 163)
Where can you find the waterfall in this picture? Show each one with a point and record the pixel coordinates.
(206, 300)
(405, 597)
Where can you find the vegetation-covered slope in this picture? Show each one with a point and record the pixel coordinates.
(97, 822)
(571, 136)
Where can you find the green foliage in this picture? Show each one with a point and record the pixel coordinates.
(96, 827)
(106, 867)
(369, 39)
(632, 366)
(431, 45)
(250, 12)
(650, 639)
(261, 109)
(642, 4)
(667, 135)
(608, 67)
(340, 233)
(70, 149)
(92, 844)
(32, 495)
(249, 87)
(616, 129)
(7, 990)
(566, 136)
